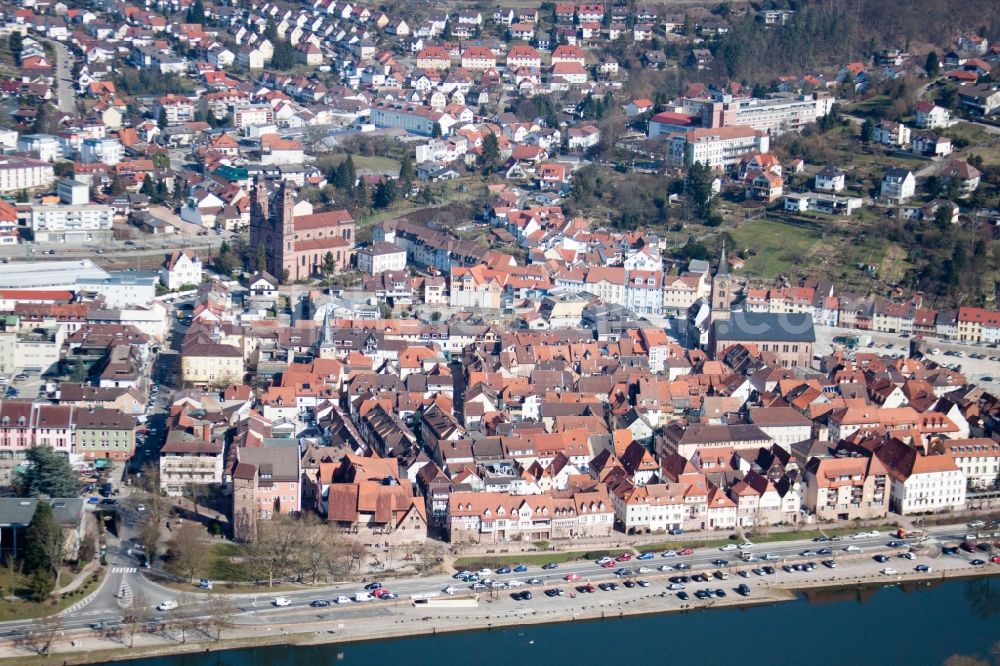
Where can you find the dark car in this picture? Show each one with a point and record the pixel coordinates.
(720, 592)
(629, 584)
(504, 570)
(373, 586)
(553, 592)
(682, 566)
(550, 566)
(881, 559)
(744, 590)
(824, 551)
(768, 570)
(320, 603)
(720, 562)
(683, 596)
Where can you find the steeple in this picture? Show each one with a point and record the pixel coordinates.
(723, 262)
(327, 347)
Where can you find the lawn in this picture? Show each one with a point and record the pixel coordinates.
(872, 105)
(369, 163)
(795, 535)
(23, 609)
(476, 562)
(775, 247)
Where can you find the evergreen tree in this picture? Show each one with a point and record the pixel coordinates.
(16, 44)
(47, 473)
(436, 131)
(117, 188)
(491, 151)
(328, 264)
(385, 194)
(361, 195)
(41, 124)
(147, 186)
(699, 188)
(868, 130)
(43, 540)
(406, 170)
(261, 259)
(350, 174)
(196, 12)
(161, 120)
(932, 65)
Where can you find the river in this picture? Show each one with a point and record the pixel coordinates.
(910, 625)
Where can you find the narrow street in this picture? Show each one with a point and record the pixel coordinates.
(65, 89)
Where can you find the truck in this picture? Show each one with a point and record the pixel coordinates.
(910, 533)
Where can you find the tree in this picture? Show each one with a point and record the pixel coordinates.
(699, 188)
(329, 266)
(385, 193)
(406, 170)
(868, 131)
(149, 536)
(43, 633)
(347, 176)
(283, 56)
(147, 186)
(16, 44)
(41, 584)
(275, 550)
(196, 12)
(195, 492)
(436, 130)
(261, 261)
(186, 551)
(47, 473)
(361, 195)
(491, 151)
(932, 65)
(221, 611)
(942, 217)
(161, 120)
(318, 547)
(117, 188)
(41, 124)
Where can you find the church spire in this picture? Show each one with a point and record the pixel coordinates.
(723, 262)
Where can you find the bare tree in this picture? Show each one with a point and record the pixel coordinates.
(317, 546)
(12, 574)
(186, 551)
(221, 611)
(275, 550)
(149, 536)
(429, 557)
(44, 632)
(186, 618)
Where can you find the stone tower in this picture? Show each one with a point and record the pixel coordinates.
(722, 289)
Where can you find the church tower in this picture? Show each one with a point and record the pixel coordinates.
(285, 228)
(327, 347)
(259, 231)
(722, 289)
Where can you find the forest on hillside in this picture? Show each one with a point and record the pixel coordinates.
(832, 32)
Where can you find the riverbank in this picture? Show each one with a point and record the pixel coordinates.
(359, 623)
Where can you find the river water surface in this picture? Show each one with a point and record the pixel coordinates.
(910, 625)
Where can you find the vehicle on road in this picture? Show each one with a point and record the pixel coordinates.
(686, 552)
(550, 566)
(624, 557)
(319, 603)
(450, 590)
(889, 571)
(922, 568)
(669, 553)
(573, 577)
(373, 586)
(362, 597)
(520, 568)
(282, 601)
(169, 604)
(504, 570)
(729, 547)
(646, 556)
(205, 584)
(342, 600)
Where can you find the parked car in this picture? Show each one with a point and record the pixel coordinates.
(889, 571)
(520, 568)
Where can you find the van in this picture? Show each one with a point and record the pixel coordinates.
(722, 575)
(363, 596)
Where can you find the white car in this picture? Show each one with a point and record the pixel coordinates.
(282, 601)
(361, 597)
(169, 604)
(342, 600)
(746, 545)
(450, 590)
(852, 549)
(729, 547)
(645, 570)
(485, 572)
(889, 571)
(874, 534)
(666, 567)
(515, 583)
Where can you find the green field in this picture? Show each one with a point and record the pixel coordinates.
(476, 562)
(373, 163)
(774, 247)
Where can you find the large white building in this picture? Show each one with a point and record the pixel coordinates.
(381, 257)
(180, 269)
(122, 290)
(24, 173)
(412, 118)
(922, 483)
(101, 151)
(720, 148)
(775, 115)
(71, 224)
(48, 275)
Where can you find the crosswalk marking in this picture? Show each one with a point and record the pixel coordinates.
(124, 569)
